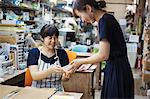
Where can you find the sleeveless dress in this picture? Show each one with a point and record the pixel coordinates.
(118, 78)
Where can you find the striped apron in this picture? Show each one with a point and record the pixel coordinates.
(53, 80)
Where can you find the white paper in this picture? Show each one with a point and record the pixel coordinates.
(62, 97)
(84, 67)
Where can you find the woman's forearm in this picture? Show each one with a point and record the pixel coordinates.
(93, 59)
(39, 75)
(103, 54)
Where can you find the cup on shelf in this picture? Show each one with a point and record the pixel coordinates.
(3, 58)
(22, 66)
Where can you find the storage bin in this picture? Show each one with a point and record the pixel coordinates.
(132, 53)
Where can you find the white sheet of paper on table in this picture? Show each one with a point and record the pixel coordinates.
(84, 67)
(62, 97)
(81, 68)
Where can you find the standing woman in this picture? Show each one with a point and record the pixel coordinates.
(45, 63)
(118, 79)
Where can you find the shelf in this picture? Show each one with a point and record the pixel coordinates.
(8, 39)
(16, 7)
(30, 21)
(10, 25)
(3, 32)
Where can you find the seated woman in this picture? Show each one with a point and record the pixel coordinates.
(45, 63)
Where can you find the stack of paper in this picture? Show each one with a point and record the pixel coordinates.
(84, 67)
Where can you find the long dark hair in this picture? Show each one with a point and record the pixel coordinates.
(49, 30)
(80, 5)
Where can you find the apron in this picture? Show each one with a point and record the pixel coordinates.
(53, 80)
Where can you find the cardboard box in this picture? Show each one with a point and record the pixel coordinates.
(146, 76)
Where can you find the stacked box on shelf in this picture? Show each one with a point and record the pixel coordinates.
(20, 42)
(146, 57)
(18, 39)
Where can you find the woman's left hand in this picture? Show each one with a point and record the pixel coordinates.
(66, 75)
(75, 64)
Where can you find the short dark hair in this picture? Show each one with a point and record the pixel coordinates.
(49, 30)
(80, 5)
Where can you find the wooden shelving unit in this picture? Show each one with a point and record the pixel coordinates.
(15, 33)
(146, 58)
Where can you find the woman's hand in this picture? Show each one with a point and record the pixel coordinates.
(75, 64)
(66, 75)
(57, 69)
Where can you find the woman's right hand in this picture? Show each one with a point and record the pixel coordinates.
(57, 69)
(75, 65)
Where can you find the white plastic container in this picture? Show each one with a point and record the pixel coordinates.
(132, 53)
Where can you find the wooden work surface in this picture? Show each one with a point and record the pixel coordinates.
(67, 95)
(35, 93)
(4, 90)
(82, 82)
(26, 92)
(10, 76)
